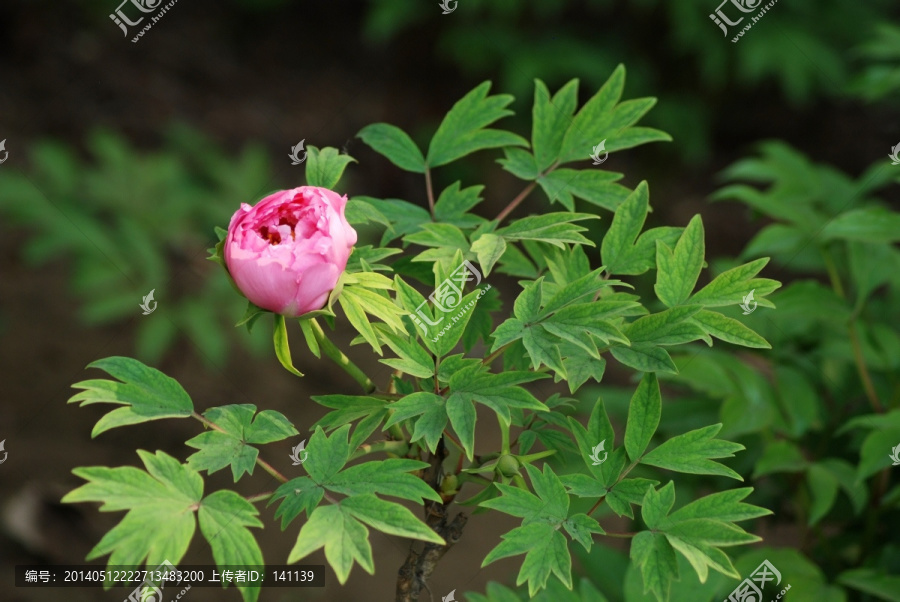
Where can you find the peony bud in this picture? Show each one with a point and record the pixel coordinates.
(287, 252)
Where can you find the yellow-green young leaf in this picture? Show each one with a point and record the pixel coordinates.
(644, 412)
(393, 477)
(160, 501)
(488, 248)
(729, 330)
(395, 144)
(464, 131)
(309, 335)
(146, 393)
(693, 452)
(389, 517)
(282, 348)
(324, 168)
(345, 539)
(677, 271)
(224, 517)
(231, 445)
(461, 412)
(553, 228)
(545, 552)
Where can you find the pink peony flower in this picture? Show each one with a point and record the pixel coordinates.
(287, 252)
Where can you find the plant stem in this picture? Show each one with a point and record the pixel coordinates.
(515, 202)
(621, 476)
(430, 191)
(614, 534)
(487, 361)
(259, 497)
(398, 448)
(338, 357)
(860, 361)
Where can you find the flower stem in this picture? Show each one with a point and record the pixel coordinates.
(338, 357)
(515, 202)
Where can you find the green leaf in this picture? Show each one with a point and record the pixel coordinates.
(625, 227)
(872, 581)
(586, 128)
(729, 287)
(461, 412)
(327, 455)
(552, 228)
(359, 211)
(871, 224)
(498, 391)
(324, 168)
(580, 527)
(345, 539)
(299, 495)
(655, 557)
(645, 358)
(693, 451)
(430, 413)
(454, 204)
(677, 271)
(823, 488)
(219, 449)
(146, 393)
(550, 120)
(489, 248)
(389, 517)
(387, 477)
(395, 144)
(644, 412)
(519, 162)
(463, 130)
(729, 330)
(282, 348)
(224, 517)
(549, 503)
(545, 552)
(780, 456)
(596, 187)
(164, 495)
